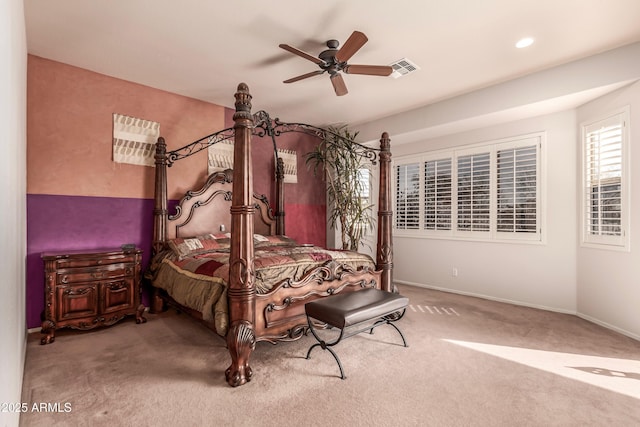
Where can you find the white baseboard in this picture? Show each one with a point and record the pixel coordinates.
(520, 303)
(487, 297)
(608, 326)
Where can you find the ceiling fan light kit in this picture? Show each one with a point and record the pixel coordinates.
(334, 60)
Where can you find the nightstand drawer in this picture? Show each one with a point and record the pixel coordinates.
(75, 262)
(96, 273)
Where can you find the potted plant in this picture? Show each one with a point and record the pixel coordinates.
(343, 164)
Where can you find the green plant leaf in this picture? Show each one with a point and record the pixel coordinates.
(340, 158)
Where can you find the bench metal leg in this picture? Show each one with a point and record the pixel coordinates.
(404, 341)
(394, 317)
(326, 346)
(333, 353)
(388, 319)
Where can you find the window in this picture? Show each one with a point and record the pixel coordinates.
(407, 196)
(474, 204)
(364, 186)
(517, 194)
(604, 199)
(437, 194)
(365, 198)
(485, 191)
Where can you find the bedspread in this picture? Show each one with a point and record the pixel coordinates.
(200, 281)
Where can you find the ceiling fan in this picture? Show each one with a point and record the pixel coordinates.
(334, 60)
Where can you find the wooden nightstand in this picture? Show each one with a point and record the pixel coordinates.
(88, 289)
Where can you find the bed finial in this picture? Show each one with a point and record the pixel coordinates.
(243, 102)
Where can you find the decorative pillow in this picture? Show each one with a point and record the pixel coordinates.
(223, 239)
(189, 246)
(280, 240)
(258, 238)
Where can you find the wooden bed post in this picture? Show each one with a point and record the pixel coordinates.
(160, 197)
(241, 337)
(160, 213)
(384, 251)
(279, 215)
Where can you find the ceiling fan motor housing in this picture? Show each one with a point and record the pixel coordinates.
(331, 64)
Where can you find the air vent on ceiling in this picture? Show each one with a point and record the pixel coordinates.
(402, 67)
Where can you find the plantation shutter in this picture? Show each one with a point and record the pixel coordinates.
(407, 196)
(364, 185)
(486, 192)
(474, 201)
(437, 195)
(517, 190)
(603, 178)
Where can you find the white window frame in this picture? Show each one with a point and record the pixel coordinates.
(491, 147)
(616, 243)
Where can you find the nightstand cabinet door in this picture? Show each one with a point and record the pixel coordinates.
(87, 289)
(116, 296)
(77, 301)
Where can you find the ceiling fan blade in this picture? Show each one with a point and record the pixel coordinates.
(338, 84)
(304, 76)
(355, 41)
(371, 70)
(298, 52)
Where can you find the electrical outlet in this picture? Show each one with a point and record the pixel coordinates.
(222, 227)
(454, 272)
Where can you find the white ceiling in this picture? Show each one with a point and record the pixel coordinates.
(203, 49)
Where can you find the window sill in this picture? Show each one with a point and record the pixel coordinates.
(530, 240)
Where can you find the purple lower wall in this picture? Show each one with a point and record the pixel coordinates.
(58, 223)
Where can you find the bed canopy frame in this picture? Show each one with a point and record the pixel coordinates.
(242, 336)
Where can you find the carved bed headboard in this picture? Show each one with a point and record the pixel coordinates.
(207, 210)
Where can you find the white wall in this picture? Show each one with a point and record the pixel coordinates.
(538, 275)
(598, 285)
(609, 281)
(13, 78)
(552, 90)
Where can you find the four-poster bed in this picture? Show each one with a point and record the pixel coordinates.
(252, 284)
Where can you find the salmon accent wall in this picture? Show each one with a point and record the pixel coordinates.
(69, 130)
(78, 198)
(305, 201)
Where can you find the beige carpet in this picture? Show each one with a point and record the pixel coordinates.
(470, 362)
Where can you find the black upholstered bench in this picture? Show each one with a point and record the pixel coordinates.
(355, 312)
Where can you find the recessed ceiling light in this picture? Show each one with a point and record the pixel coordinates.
(525, 42)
